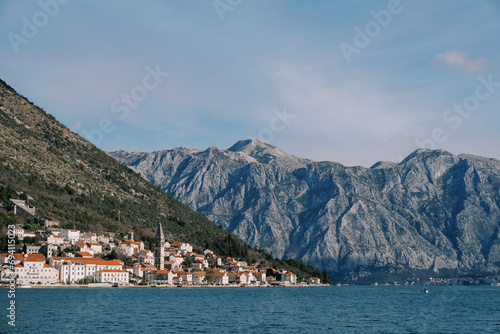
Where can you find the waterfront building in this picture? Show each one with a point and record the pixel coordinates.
(111, 276)
(73, 269)
(32, 269)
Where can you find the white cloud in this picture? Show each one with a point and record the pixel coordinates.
(458, 59)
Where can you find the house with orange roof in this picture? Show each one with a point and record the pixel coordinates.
(111, 276)
(139, 270)
(183, 247)
(33, 270)
(215, 270)
(120, 262)
(104, 239)
(148, 268)
(55, 239)
(73, 269)
(198, 258)
(129, 269)
(4, 258)
(313, 280)
(172, 265)
(89, 237)
(128, 247)
(146, 252)
(236, 268)
(6, 273)
(176, 258)
(241, 277)
(208, 253)
(83, 254)
(96, 247)
(214, 261)
(146, 259)
(291, 278)
(176, 244)
(201, 259)
(230, 264)
(161, 277)
(84, 247)
(187, 278)
(260, 275)
(71, 236)
(197, 265)
(199, 277)
(146, 256)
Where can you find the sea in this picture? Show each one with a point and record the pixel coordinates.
(332, 309)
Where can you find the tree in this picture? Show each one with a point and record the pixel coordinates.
(111, 256)
(30, 240)
(4, 242)
(325, 278)
(187, 262)
(7, 193)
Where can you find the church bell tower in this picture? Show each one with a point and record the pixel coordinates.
(159, 248)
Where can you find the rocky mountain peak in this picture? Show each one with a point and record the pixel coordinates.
(261, 150)
(424, 153)
(248, 145)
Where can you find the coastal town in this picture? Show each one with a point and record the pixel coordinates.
(70, 257)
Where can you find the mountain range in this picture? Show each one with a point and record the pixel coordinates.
(434, 213)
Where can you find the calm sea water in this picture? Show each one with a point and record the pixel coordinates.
(346, 309)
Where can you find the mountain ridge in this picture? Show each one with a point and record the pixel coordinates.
(434, 211)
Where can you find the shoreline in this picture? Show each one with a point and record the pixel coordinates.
(167, 286)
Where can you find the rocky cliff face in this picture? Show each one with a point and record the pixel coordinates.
(432, 211)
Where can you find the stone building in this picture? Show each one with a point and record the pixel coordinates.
(22, 206)
(159, 248)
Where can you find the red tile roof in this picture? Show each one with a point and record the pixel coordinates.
(84, 254)
(161, 272)
(34, 258)
(110, 271)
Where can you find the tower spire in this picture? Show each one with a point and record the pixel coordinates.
(159, 248)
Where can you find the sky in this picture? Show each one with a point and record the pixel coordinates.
(349, 81)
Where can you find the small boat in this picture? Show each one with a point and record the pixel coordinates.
(424, 290)
(25, 286)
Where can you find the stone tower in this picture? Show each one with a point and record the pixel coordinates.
(159, 248)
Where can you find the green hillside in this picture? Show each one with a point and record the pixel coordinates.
(72, 181)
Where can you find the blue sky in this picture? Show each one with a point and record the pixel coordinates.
(323, 80)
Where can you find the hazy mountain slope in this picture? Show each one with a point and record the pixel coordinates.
(433, 211)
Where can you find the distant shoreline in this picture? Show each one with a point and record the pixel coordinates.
(168, 286)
